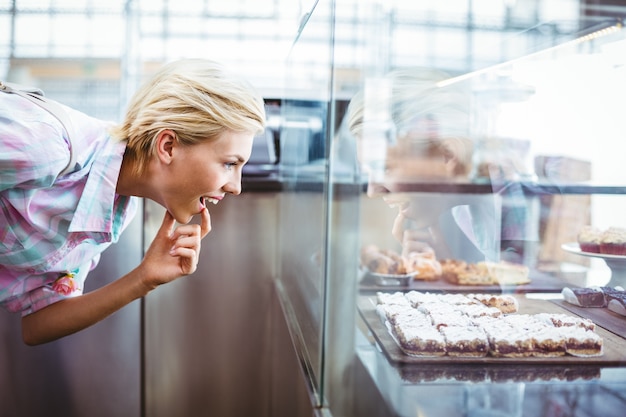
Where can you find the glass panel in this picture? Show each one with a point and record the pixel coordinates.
(487, 151)
(304, 200)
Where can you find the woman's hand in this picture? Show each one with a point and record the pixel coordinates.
(174, 252)
(416, 242)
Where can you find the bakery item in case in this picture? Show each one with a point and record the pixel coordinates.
(589, 238)
(427, 324)
(484, 273)
(597, 297)
(507, 273)
(428, 268)
(443, 318)
(504, 302)
(465, 341)
(565, 320)
(462, 273)
(382, 262)
(392, 298)
(418, 297)
(389, 312)
(548, 343)
(506, 340)
(613, 241)
(617, 305)
(479, 310)
(584, 297)
(613, 292)
(419, 339)
(583, 343)
(455, 299)
(425, 263)
(421, 265)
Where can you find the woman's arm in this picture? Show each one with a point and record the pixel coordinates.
(173, 253)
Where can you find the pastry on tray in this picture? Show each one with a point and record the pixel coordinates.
(565, 320)
(382, 262)
(583, 343)
(503, 302)
(618, 305)
(465, 341)
(476, 325)
(421, 265)
(584, 297)
(484, 273)
(418, 337)
(427, 268)
(591, 297)
(611, 293)
(507, 273)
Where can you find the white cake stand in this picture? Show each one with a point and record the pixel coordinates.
(617, 263)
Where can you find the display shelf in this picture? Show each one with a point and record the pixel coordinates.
(495, 187)
(541, 282)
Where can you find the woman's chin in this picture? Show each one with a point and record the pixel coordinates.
(182, 218)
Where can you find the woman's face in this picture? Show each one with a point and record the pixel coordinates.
(407, 164)
(204, 173)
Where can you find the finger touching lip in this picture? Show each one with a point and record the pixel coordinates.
(397, 229)
(205, 200)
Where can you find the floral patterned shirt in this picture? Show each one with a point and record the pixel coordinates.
(52, 226)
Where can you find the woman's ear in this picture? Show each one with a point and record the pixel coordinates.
(458, 156)
(165, 143)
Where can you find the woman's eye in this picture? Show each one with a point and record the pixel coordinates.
(230, 165)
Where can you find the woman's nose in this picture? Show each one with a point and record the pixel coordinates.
(234, 185)
(376, 189)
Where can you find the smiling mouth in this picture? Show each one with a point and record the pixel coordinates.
(400, 204)
(205, 200)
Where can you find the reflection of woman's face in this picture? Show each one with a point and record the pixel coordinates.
(414, 161)
(410, 163)
(422, 209)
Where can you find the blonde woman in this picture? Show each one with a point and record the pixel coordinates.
(185, 137)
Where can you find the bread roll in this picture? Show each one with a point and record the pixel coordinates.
(382, 262)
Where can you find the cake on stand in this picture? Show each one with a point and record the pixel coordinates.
(617, 263)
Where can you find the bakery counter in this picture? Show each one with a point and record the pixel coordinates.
(492, 385)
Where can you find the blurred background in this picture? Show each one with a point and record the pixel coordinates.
(91, 54)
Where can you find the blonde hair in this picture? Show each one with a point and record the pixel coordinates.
(423, 113)
(415, 93)
(195, 98)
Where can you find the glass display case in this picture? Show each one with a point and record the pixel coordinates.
(442, 169)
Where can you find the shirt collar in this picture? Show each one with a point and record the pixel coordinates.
(96, 207)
